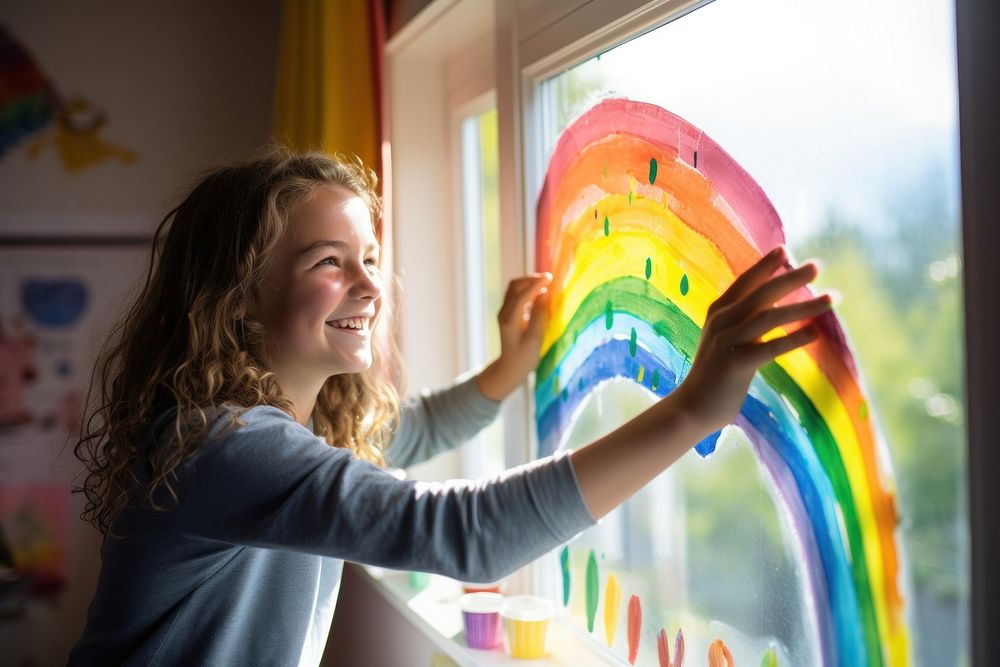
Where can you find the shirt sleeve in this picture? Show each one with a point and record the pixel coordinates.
(437, 421)
(272, 483)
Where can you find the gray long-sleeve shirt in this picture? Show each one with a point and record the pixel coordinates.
(246, 569)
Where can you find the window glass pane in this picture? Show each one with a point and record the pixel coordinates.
(484, 291)
(848, 122)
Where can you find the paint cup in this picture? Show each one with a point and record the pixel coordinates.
(469, 587)
(481, 614)
(526, 625)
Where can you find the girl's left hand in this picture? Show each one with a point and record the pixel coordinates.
(522, 320)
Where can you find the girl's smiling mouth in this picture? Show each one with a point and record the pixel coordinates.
(352, 325)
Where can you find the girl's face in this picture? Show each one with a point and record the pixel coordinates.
(322, 291)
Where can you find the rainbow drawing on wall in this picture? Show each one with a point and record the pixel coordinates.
(644, 221)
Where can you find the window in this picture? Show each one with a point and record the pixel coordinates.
(848, 122)
(484, 288)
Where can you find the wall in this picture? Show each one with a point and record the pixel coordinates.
(184, 84)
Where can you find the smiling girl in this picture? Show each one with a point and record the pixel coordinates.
(235, 457)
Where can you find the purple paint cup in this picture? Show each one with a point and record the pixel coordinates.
(481, 613)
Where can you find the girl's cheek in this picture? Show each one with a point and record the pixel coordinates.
(328, 293)
(320, 300)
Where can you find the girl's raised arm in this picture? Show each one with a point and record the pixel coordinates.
(730, 351)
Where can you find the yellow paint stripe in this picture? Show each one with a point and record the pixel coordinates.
(612, 605)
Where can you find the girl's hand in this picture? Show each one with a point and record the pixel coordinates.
(730, 350)
(522, 320)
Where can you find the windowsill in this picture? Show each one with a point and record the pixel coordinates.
(434, 612)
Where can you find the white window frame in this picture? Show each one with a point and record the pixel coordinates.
(434, 73)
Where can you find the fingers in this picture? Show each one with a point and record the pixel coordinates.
(754, 276)
(762, 353)
(771, 318)
(519, 292)
(539, 317)
(767, 293)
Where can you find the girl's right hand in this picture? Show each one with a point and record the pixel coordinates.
(731, 350)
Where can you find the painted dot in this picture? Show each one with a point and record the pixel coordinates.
(612, 606)
(642, 374)
(663, 648)
(630, 198)
(592, 590)
(564, 561)
(579, 385)
(565, 394)
(634, 628)
(684, 285)
(656, 380)
(652, 170)
(632, 343)
(649, 267)
(609, 316)
(607, 226)
(863, 410)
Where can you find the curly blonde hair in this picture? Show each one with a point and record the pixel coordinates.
(188, 342)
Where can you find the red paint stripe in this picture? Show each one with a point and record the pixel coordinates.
(678, 650)
(634, 626)
(663, 648)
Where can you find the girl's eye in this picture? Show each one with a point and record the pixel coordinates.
(371, 261)
(330, 259)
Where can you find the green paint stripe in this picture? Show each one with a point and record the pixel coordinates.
(593, 590)
(627, 294)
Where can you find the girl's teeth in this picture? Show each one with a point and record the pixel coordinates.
(356, 323)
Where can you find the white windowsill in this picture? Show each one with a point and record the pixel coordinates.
(434, 612)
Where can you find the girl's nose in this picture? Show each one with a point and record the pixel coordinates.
(368, 284)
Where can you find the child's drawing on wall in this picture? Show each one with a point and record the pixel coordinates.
(33, 520)
(29, 103)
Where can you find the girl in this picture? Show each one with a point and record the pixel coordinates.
(235, 457)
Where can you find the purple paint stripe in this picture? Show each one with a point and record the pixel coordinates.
(788, 494)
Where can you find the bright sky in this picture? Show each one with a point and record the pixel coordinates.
(848, 104)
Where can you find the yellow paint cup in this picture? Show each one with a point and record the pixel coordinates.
(526, 624)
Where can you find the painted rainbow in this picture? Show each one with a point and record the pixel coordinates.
(644, 221)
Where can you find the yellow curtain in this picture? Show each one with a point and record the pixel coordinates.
(326, 92)
(327, 98)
